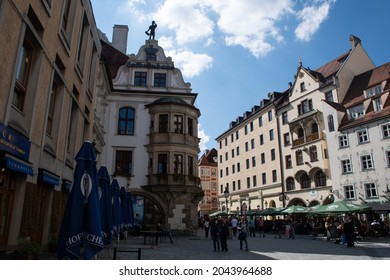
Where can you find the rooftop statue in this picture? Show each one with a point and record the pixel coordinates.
(151, 31)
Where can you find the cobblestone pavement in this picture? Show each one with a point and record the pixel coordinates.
(303, 247)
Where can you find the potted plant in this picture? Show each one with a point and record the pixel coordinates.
(31, 250)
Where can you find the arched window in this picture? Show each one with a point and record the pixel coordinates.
(290, 184)
(314, 128)
(330, 123)
(305, 181)
(126, 121)
(300, 133)
(319, 179)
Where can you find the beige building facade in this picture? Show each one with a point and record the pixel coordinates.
(47, 104)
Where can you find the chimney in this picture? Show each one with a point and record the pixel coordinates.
(119, 37)
(354, 40)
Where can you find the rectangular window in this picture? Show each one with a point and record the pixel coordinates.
(248, 182)
(371, 191)
(226, 156)
(273, 154)
(238, 151)
(246, 129)
(123, 163)
(305, 106)
(288, 162)
(140, 79)
(178, 123)
(234, 185)
(264, 178)
(274, 176)
(329, 96)
(313, 153)
(269, 116)
(162, 164)
(362, 136)
(346, 166)
(286, 139)
(82, 47)
(190, 123)
(367, 163)
(232, 138)
(262, 156)
(246, 146)
(232, 153)
(254, 180)
(238, 184)
(252, 144)
(253, 161)
(163, 123)
(271, 135)
(261, 139)
(52, 105)
(284, 118)
(302, 86)
(227, 171)
(226, 142)
(233, 169)
(251, 126)
(190, 164)
(160, 80)
(178, 164)
(23, 74)
(343, 141)
(349, 192)
(386, 131)
(387, 154)
(247, 164)
(377, 104)
(238, 167)
(260, 121)
(237, 135)
(299, 157)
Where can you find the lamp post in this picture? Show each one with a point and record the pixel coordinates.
(266, 204)
(226, 194)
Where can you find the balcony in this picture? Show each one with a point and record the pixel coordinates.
(307, 140)
(173, 180)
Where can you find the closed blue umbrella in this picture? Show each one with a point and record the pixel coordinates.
(81, 225)
(130, 209)
(116, 208)
(105, 204)
(124, 207)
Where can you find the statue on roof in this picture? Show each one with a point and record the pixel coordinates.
(151, 31)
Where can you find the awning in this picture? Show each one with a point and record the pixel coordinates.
(49, 178)
(19, 165)
(380, 206)
(66, 185)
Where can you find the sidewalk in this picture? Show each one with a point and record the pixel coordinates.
(303, 247)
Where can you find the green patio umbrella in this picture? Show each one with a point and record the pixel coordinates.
(218, 213)
(340, 207)
(271, 212)
(295, 209)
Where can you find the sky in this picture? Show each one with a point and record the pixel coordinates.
(235, 52)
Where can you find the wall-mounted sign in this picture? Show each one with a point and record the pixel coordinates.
(14, 143)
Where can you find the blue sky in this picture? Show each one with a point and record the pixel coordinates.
(234, 52)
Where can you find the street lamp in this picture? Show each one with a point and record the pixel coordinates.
(266, 204)
(226, 194)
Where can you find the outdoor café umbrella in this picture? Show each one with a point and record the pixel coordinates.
(116, 208)
(124, 207)
(340, 207)
(130, 210)
(218, 213)
(81, 231)
(271, 212)
(295, 209)
(105, 204)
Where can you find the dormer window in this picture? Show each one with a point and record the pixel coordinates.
(356, 112)
(377, 104)
(373, 90)
(303, 87)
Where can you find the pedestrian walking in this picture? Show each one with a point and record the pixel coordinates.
(224, 235)
(206, 225)
(215, 231)
(243, 236)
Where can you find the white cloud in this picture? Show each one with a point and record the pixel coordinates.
(204, 139)
(311, 18)
(257, 26)
(191, 64)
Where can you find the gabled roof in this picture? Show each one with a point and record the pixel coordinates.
(332, 67)
(113, 59)
(208, 158)
(364, 81)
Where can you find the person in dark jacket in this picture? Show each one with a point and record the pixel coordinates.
(349, 230)
(224, 235)
(215, 231)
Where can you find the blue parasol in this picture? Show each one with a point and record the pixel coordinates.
(105, 204)
(116, 208)
(130, 209)
(81, 225)
(124, 207)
